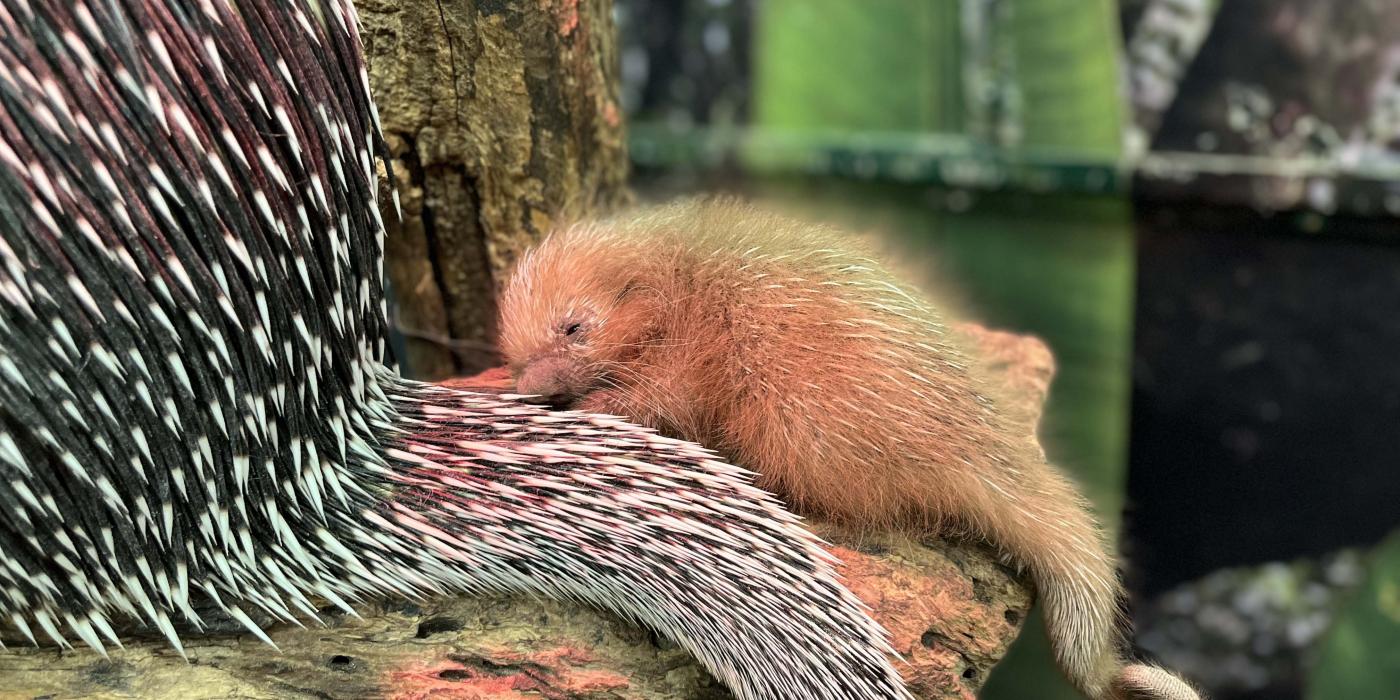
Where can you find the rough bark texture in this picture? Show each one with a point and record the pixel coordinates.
(951, 609)
(501, 116)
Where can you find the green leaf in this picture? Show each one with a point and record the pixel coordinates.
(1360, 656)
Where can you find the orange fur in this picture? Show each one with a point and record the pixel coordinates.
(794, 354)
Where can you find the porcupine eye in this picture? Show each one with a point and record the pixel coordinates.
(572, 329)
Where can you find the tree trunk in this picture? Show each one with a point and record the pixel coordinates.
(501, 116)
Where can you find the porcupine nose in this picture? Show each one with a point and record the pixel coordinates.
(546, 383)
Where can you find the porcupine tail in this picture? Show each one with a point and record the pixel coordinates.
(1051, 531)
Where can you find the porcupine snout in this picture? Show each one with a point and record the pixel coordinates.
(553, 381)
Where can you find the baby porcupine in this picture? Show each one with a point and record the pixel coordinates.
(193, 404)
(778, 344)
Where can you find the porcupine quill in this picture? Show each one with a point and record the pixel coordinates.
(193, 400)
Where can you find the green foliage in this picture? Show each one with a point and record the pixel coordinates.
(874, 65)
(1067, 70)
(1360, 656)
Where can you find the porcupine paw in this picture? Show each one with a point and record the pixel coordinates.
(1144, 682)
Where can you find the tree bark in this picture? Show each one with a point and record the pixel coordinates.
(501, 118)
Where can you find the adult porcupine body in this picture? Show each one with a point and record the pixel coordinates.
(798, 356)
(193, 403)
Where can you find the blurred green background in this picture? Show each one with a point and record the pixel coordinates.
(1059, 163)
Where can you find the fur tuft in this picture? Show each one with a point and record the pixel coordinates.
(1145, 682)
